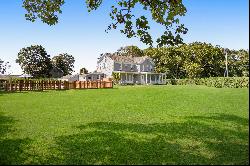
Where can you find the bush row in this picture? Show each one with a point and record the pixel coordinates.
(218, 82)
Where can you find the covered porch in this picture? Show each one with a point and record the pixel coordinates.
(153, 78)
(142, 78)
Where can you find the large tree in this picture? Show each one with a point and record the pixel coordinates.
(167, 59)
(133, 51)
(84, 71)
(34, 60)
(4, 66)
(203, 60)
(238, 62)
(164, 12)
(65, 62)
(189, 60)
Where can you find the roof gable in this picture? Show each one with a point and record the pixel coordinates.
(129, 59)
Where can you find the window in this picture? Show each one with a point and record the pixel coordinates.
(120, 66)
(129, 77)
(138, 67)
(151, 68)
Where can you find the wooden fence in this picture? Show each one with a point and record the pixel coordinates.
(31, 85)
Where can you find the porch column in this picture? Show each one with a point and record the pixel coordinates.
(120, 78)
(133, 77)
(146, 78)
(150, 78)
(126, 77)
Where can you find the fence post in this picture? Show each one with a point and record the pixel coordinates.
(42, 85)
(29, 85)
(16, 85)
(6, 85)
(20, 85)
(59, 85)
(10, 82)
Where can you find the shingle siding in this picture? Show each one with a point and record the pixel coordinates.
(105, 66)
(147, 66)
(138, 70)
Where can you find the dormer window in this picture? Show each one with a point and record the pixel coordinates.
(150, 67)
(120, 66)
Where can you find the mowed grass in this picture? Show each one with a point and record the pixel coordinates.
(126, 125)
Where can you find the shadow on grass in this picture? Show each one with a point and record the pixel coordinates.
(224, 118)
(21, 92)
(51, 90)
(11, 150)
(190, 142)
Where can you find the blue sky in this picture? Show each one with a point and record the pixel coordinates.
(220, 22)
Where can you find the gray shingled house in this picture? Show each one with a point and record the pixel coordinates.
(132, 70)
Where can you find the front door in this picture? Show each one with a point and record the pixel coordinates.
(142, 79)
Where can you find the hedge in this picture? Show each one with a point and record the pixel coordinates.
(218, 82)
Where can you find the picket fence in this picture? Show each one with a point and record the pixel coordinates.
(33, 85)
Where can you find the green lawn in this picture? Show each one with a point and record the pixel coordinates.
(126, 125)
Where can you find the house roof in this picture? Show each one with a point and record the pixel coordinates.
(8, 76)
(66, 77)
(128, 59)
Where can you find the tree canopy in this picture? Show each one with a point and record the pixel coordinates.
(4, 66)
(34, 60)
(65, 62)
(166, 13)
(84, 71)
(130, 51)
(193, 60)
(197, 60)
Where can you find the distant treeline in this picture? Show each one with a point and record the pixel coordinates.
(194, 60)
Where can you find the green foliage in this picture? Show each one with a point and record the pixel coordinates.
(203, 60)
(133, 51)
(169, 60)
(84, 71)
(164, 12)
(238, 63)
(132, 125)
(4, 66)
(198, 60)
(65, 62)
(35, 61)
(46, 10)
(217, 82)
(116, 77)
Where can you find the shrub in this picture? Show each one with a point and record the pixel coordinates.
(218, 82)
